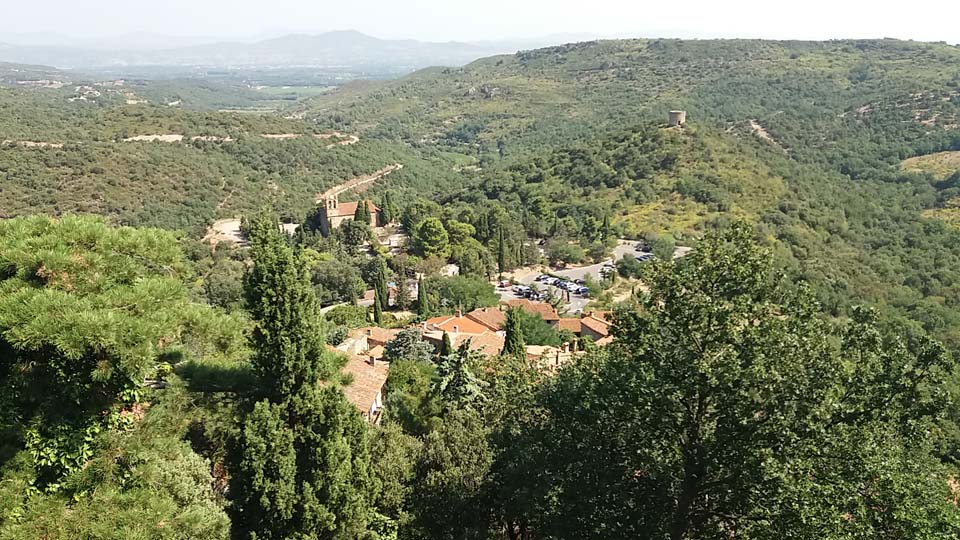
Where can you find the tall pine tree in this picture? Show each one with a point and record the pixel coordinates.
(299, 462)
(456, 383)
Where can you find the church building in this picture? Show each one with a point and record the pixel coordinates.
(334, 213)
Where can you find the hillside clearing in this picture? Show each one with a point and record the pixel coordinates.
(941, 164)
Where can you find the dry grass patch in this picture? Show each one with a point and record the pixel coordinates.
(941, 164)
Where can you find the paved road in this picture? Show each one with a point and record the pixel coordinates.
(577, 303)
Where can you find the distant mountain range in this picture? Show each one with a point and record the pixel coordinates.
(348, 49)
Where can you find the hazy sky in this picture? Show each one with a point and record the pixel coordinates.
(441, 20)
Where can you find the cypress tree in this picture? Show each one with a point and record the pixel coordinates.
(389, 213)
(287, 340)
(299, 463)
(605, 229)
(424, 309)
(446, 346)
(514, 344)
(377, 307)
(501, 253)
(402, 300)
(362, 213)
(381, 293)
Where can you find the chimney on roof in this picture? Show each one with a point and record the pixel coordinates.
(456, 329)
(372, 361)
(423, 326)
(369, 331)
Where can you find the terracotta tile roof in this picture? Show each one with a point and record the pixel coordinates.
(488, 343)
(492, 318)
(599, 326)
(536, 352)
(550, 358)
(375, 335)
(376, 352)
(453, 324)
(348, 209)
(367, 383)
(544, 310)
(604, 341)
(572, 325)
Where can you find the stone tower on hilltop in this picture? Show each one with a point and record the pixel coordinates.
(677, 118)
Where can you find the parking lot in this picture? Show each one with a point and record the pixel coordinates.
(577, 302)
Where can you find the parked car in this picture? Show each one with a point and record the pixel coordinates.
(542, 277)
(579, 281)
(644, 246)
(583, 291)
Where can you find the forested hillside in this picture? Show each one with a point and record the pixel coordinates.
(803, 138)
(61, 156)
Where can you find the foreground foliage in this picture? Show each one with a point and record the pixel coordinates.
(729, 407)
(87, 312)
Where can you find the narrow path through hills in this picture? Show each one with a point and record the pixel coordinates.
(358, 182)
(225, 200)
(757, 129)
